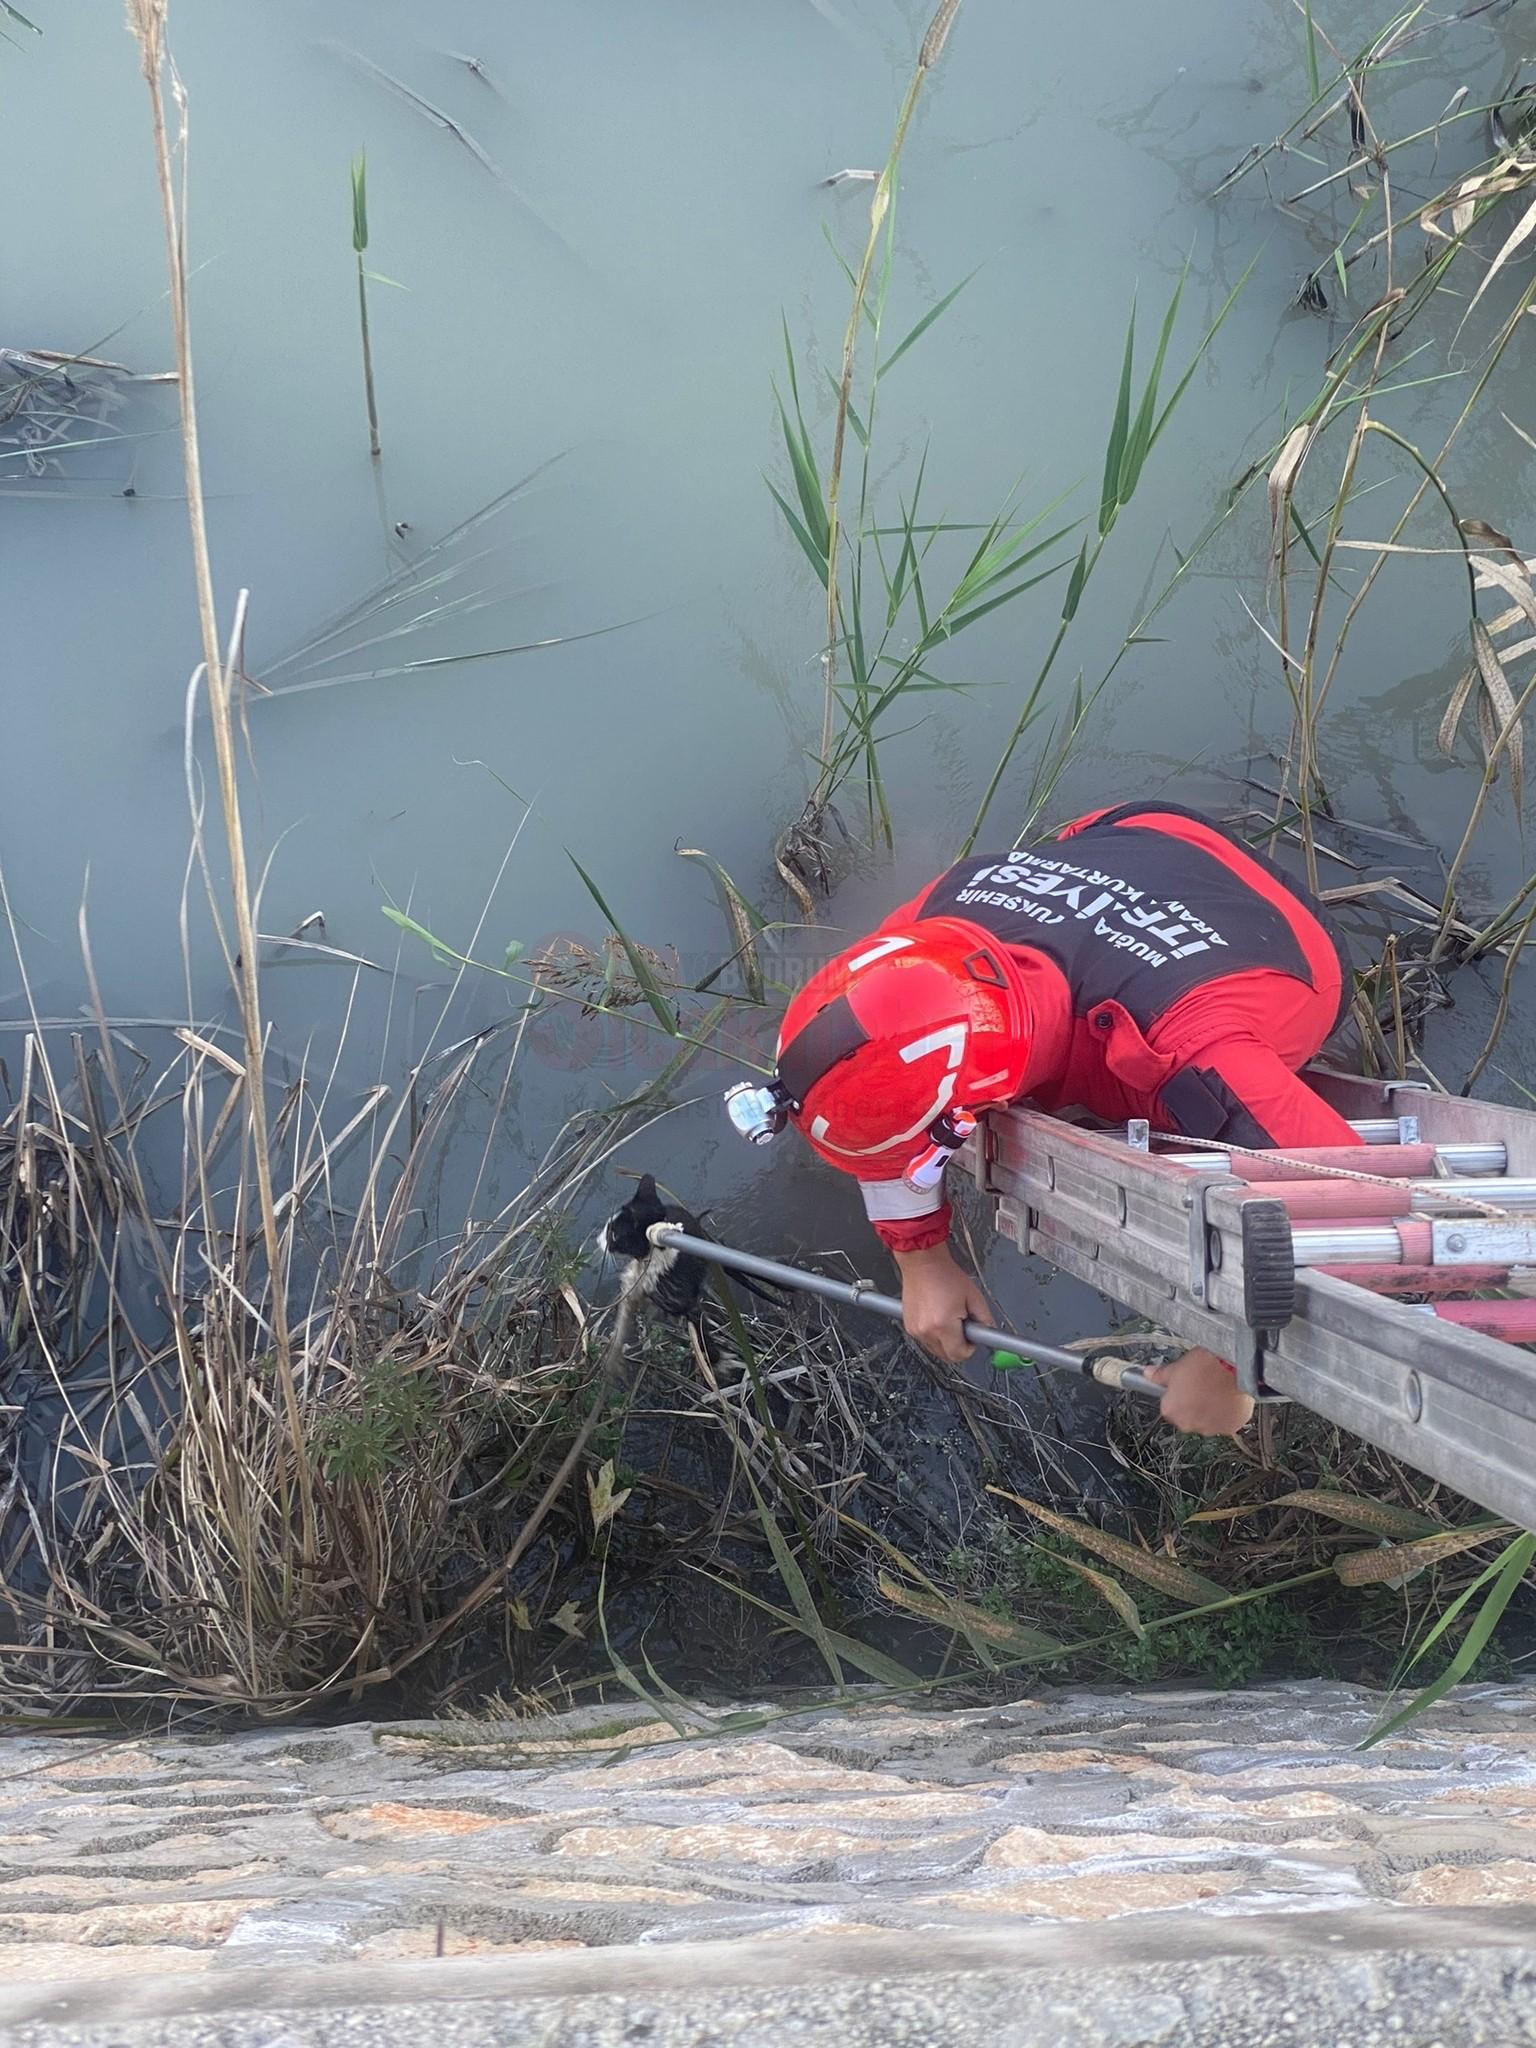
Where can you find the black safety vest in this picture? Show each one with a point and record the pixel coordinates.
(1130, 914)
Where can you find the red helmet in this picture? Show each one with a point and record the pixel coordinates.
(910, 1023)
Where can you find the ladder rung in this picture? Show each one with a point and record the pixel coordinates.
(1391, 1162)
(1382, 1278)
(1384, 1130)
(1513, 1321)
(1381, 1158)
(1458, 1245)
(1346, 1201)
(1352, 1200)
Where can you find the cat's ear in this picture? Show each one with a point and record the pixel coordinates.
(646, 1191)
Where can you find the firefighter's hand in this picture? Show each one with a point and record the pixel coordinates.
(1202, 1395)
(936, 1298)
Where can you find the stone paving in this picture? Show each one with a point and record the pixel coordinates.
(187, 1852)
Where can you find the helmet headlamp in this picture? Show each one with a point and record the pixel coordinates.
(759, 1111)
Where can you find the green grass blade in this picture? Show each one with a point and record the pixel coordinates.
(953, 626)
(802, 456)
(1301, 531)
(1314, 81)
(873, 1663)
(1199, 355)
(916, 334)
(670, 1692)
(360, 201)
(860, 431)
(888, 179)
(621, 1671)
(701, 1039)
(796, 525)
(1139, 441)
(802, 466)
(895, 584)
(853, 641)
(793, 1579)
(15, 14)
(932, 527)
(639, 966)
(441, 952)
(744, 920)
(919, 598)
(1506, 1573)
(847, 269)
(995, 564)
(906, 562)
(1075, 586)
(1119, 429)
(789, 362)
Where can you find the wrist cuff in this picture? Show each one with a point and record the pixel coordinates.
(916, 1233)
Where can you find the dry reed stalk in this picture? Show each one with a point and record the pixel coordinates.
(147, 19)
(1309, 674)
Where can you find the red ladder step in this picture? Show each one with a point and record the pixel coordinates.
(1514, 1321)
(1384, 1162)
(1334, 1201)
(1420, 1279)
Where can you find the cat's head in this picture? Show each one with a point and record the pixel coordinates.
(623, 1234)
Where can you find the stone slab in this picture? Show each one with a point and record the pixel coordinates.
(1371, 1979)
(1061, 1818)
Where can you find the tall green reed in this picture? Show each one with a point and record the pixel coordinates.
(360, 250)
(900, 585)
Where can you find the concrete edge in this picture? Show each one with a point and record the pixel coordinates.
(1322, 1938)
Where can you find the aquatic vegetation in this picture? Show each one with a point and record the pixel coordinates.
(305, 1410)
(360, 250)
(413, 599)
(900, 587)
(51, 404)
(1429, 257)
(436, 115)
(14, 15)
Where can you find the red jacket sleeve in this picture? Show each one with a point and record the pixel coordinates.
(915, 1233)
(1240, 1091)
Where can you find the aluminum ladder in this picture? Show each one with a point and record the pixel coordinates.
(1397, 1305)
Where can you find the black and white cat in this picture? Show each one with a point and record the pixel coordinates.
(673, 1280)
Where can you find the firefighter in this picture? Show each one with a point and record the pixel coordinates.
(1142, 963)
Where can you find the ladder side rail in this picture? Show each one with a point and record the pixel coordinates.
(1143, 1224)
(1443, 1119)
(1141, 1290)
(1456, 1405)
(1091, 1186)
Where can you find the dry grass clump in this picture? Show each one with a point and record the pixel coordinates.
(175, 1527)
(183, 1515)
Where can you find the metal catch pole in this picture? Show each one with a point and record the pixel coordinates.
(1115, 1372)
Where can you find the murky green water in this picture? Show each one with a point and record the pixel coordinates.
(594, 265)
